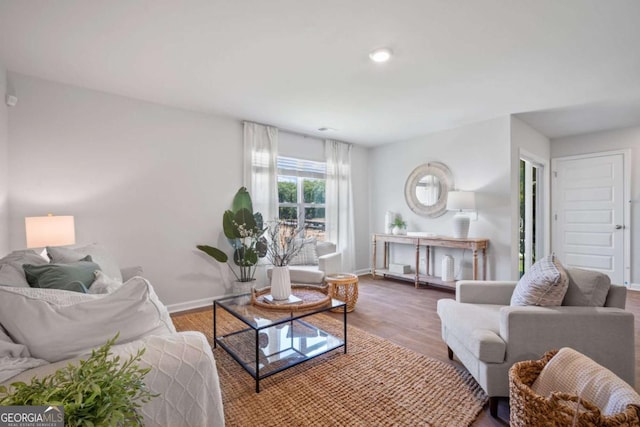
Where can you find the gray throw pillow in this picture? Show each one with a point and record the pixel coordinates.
(308, 255)
(545, 284)
(586, 288)
(12, 274)
(76, 276)
(25, 256)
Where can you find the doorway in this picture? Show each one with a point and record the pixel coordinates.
(532, 212)
(590, 213)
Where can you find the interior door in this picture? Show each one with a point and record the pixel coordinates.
(588, 213)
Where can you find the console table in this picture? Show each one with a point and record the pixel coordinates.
(475, 245)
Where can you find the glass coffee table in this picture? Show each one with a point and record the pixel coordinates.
(267, 341)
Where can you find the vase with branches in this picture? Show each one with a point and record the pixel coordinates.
(283, 244)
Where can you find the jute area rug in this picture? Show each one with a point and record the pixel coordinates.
(377, 383)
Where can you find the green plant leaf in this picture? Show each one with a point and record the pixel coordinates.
(245, 217)
(230, 230)
(242, 200)
(245, 257)
(259, 220)
(215, 253)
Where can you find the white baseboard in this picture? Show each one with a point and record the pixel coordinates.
(634, 287)
(190, 305)
(363, 272)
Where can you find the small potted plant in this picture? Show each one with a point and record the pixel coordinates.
(101, 390)
(398, 226)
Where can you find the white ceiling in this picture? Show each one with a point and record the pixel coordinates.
(302, 65)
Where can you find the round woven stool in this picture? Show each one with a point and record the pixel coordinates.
(343, 287)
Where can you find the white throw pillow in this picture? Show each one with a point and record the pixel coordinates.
(56, 330)
(308, 255)
(103, 284)
(545, 284)
(99, 254)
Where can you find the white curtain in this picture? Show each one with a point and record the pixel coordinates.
(260, 168)
(339, 201)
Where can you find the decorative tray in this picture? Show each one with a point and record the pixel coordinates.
(311, 296)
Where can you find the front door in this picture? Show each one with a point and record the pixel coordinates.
(588, 219)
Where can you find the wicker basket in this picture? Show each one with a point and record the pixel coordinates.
(530, 409)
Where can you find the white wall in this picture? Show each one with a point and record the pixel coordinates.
(310, 148)
(527, 141)
(628, 138)
(479, 158)
(148, 181)
(4, 165)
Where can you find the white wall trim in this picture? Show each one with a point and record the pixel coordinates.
(363, 272)
(190, 305)
(634, 287)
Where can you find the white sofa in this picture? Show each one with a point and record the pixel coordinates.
(329, 261)
(42, 330)
(488, 335)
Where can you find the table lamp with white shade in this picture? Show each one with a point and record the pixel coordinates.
(461, 202)
(49, 230)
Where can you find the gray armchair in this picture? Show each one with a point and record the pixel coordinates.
(488, 335)
(329, 261)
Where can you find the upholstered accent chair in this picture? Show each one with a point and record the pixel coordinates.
(488, 334)
(309, 269)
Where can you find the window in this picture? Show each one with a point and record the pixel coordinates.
(301, 195)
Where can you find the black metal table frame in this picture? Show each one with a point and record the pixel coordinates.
(217, 340)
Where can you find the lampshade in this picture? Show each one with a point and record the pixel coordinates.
(49, 231)
(461, 200)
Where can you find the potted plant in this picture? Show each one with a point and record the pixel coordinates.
(398, 226)
(100, 390)
(244, 230)
(283, 244)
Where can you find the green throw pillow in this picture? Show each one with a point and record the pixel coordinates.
(74, 276)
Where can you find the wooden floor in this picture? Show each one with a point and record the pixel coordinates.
(399, 312)
(407, 316)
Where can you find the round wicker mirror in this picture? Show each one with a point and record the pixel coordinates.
(427, 187)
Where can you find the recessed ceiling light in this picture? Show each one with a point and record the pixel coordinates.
(380, 55)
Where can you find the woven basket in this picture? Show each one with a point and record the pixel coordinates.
(530, 409)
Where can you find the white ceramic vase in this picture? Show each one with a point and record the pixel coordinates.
(280, 283)
(388, 219)
(447, 268)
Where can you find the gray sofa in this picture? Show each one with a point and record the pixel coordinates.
(488, 335)
(329, 261)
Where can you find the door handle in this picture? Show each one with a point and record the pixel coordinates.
(619, 227)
